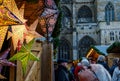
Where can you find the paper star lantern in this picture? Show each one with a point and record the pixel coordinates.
(3, 60)
(11, 5)
(18, 34)
(21, 10)
(9, 35)
(50, 15)
(25, 55)
(7, 17)
(3, 31)
(32, 33)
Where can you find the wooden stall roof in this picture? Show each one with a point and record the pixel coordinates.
(114, 48)
(99, 49)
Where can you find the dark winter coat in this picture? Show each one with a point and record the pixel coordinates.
(112, 69)
(61, 74)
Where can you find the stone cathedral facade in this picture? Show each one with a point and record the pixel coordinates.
(86, 23)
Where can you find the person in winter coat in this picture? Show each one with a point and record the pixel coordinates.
(116, 73)
(101, 60)
(61, 73)
(114, 65)
(77, 69)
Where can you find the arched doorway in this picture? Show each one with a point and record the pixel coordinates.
(84, 45)
(64, 49)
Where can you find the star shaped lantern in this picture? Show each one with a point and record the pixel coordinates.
(48, 18)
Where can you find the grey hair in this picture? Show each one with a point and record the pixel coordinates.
(85, 62)
(101, 58)
(115, 61)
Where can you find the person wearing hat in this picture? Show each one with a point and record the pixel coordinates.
(61, 73)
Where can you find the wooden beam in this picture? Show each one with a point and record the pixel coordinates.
(46, 63)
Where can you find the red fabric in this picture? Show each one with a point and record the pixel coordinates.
(19, 45)
(77, 69)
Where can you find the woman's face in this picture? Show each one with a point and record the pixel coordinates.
(65, 64)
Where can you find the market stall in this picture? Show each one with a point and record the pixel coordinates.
(113, 51)
(96, 50)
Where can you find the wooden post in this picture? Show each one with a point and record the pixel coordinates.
(12, 69)
(46, 63)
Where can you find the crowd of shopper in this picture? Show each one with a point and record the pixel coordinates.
(88, 70)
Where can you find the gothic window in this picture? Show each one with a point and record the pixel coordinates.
(84, 45)
(64, 50)
(109, 12)
(112, 36)
(84, 14)
(66, 16)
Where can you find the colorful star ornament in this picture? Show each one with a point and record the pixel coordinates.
(32, 33)
(12, 6)
(25, 55)
(7, 17)
(18, 34)
(3, 31)
(49, 17)
(11, 16)
(4, 61)
(9, 13)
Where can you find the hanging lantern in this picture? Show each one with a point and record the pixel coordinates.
(42, 22)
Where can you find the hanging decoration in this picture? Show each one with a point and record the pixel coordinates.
(18, 30)
(2, 77)
(4, 61)
(7, 17)
(13, 18)
(18, 34)
(11, 6)
(42, 22)
(9, 34)
(3, 31)
(21, 11)
(32, 33)
(25, 55)
(49, 14)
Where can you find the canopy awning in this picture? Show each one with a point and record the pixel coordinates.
(114, 48)
(97, 50)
